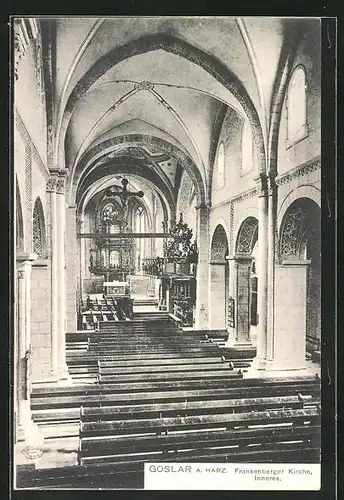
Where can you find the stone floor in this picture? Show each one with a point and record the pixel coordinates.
(57, 452)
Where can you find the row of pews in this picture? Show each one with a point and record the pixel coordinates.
(96, 310)
(163, 394)
(84, 351)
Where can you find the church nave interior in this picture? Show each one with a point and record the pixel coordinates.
(167, 187)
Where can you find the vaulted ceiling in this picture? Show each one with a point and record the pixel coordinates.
(144, 95)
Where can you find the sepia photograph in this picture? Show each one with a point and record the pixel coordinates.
(167, 253)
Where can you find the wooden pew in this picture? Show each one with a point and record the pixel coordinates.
(161, 362)
(278, 430)
(91, 357)
(155, 410)
(163, 376)
(154, 351)
(234, 386)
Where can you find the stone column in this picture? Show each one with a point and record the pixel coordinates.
(61, 279)
(217, 296)
(81, 247)
(51, 190)
(202, 279)
(290, 315)
(240, 290)
(262, 272)
(72, 259)
(26, 430)
(271, 239)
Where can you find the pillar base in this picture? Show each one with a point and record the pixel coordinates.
(44, 381)
(258, 364)
(275, 365)
(64, 378)
(29, 434)
(233, 342)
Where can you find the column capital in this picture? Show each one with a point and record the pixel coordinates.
(61, 185)
(203, 205)
(261, 181)
(272, 185)
(51, 183)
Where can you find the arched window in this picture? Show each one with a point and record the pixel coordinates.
(221, 166)
(246, 148)
(297, 106)
(38, 229)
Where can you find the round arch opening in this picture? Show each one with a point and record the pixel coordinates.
(219, 279)
(246, 281)
(300, 240)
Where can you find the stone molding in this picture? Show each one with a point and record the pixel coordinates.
(299, 171)
(92, 156)
(233, 202)
(25, 30)
(294, 262)
(20, 125)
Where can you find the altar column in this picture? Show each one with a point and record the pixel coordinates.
(26, 430)
(63, 374)
(202, 279)
(52, 237)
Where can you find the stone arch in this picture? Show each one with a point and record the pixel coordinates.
(132, 140)
(219, 244)
(19, 224)
(219, 221)
(300, 241)
(178, 47)
(168, 202)
(247, 236)
(218, 279)
(91, 192)
(38, 230)
(246, 280)
(300, 225)
(303, 191)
